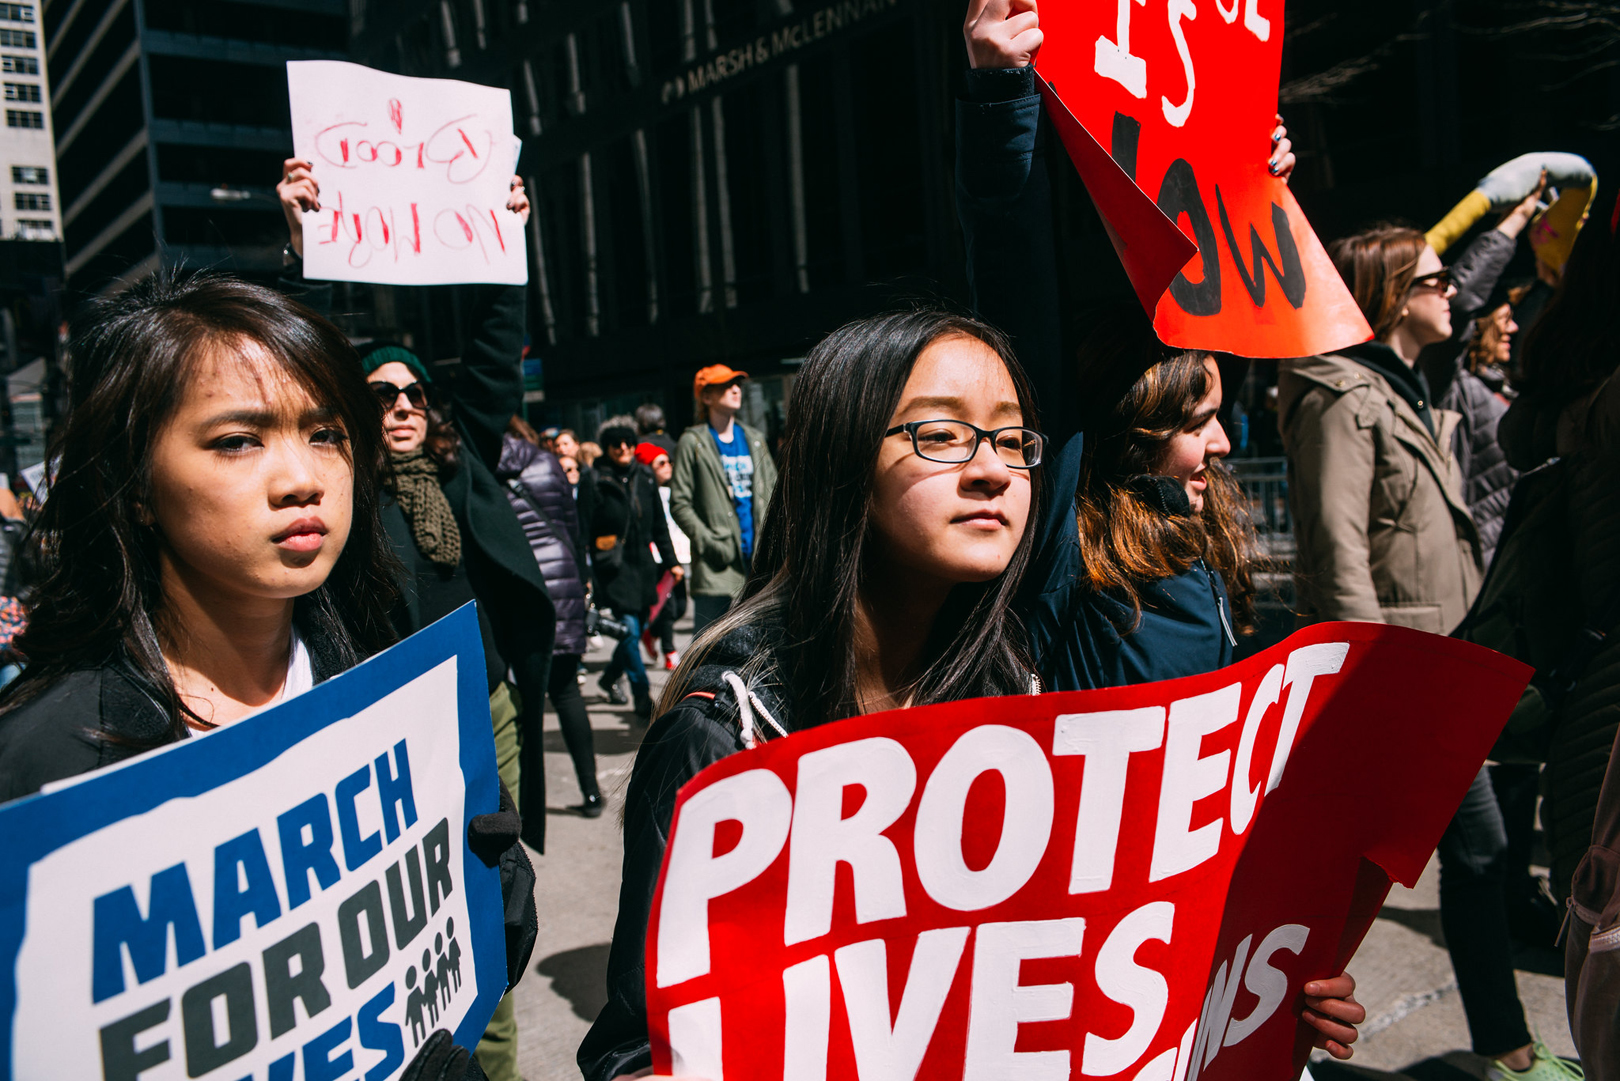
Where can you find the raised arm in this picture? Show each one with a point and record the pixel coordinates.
(1004, 199)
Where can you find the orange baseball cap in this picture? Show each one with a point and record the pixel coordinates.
(715, 375)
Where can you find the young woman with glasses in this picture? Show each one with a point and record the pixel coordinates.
(884, 579)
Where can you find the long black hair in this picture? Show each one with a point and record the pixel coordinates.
(813, 548)
(100, 601)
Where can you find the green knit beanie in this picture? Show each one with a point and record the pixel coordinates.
(386, 354)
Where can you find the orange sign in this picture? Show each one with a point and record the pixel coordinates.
(1156, 96)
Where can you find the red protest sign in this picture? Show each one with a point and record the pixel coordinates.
(1133, 882)
(1181, 103)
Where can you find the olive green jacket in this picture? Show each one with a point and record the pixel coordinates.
(700, 503)
(1382, 529)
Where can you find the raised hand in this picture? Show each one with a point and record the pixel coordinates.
(298, 192)
(518, 201)
(1331, 1008)
(1002, 33)
(1281, 163)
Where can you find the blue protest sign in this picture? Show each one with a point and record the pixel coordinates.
(288, 898)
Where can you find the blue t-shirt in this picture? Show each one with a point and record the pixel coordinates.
(739, 468)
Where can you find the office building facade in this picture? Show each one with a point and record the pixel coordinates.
(171, 123)
(29, 206)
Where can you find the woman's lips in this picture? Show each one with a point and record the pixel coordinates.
(304, 535)
(988, 519)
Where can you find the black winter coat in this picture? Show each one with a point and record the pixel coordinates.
(701, 729)
(486, 393)
(629, 508)
(545, 508)
(1081, 638)
(1487, 478)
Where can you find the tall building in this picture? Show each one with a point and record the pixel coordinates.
(713, 180)
(29, 207)
(171, 124)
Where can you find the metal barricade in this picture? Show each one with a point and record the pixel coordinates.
(1264, 483)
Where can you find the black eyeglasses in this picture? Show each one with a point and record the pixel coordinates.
(388, 394)
(1440, 280)
(956, 441)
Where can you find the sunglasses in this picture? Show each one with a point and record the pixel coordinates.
(1440, 281)
(389, 394)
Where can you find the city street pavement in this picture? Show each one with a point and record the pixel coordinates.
(1415, 1027)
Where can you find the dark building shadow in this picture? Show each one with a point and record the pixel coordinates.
(580, 976)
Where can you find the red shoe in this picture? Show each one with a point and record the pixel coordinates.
(672, 661)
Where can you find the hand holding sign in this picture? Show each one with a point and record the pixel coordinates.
(415, 175)
(1181, 103)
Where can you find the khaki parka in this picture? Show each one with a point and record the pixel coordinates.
(1382, 529)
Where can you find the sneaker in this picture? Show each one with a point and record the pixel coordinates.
(672, 661)
(611, 689)
(592, 807)
(1546, 1067)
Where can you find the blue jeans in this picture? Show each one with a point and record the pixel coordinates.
(627, 655)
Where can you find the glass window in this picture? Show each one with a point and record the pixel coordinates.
(24, 118)
(18, 39)
(17, 13)
(32, 200)
(22, 91)
(30, 174)
(19, 65)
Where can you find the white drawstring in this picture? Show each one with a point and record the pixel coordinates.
(747, 703)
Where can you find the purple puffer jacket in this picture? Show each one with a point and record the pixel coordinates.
(544, 502)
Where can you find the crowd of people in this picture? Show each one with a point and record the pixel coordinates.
(243, 503)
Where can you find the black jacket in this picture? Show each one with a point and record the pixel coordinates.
(511, 593)
(698, 732)
(1081, 638)
(629, 508)
(94, 718)
(545, 508)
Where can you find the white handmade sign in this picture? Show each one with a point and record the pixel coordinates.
(414, 176)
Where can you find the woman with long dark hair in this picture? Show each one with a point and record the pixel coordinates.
(211, 546)
(884, 578)
(211, 534)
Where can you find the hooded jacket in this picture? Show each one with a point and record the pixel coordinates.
(627, 523)
(1382, 530)
(545, 509)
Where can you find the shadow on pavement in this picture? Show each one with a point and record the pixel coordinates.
(606, 740)
(580, 976)
(1425, 921)
(1452, 1066)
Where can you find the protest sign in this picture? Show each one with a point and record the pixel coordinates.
(1130, 883)
(413, 173)
(290, 896)
(1184, 104)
